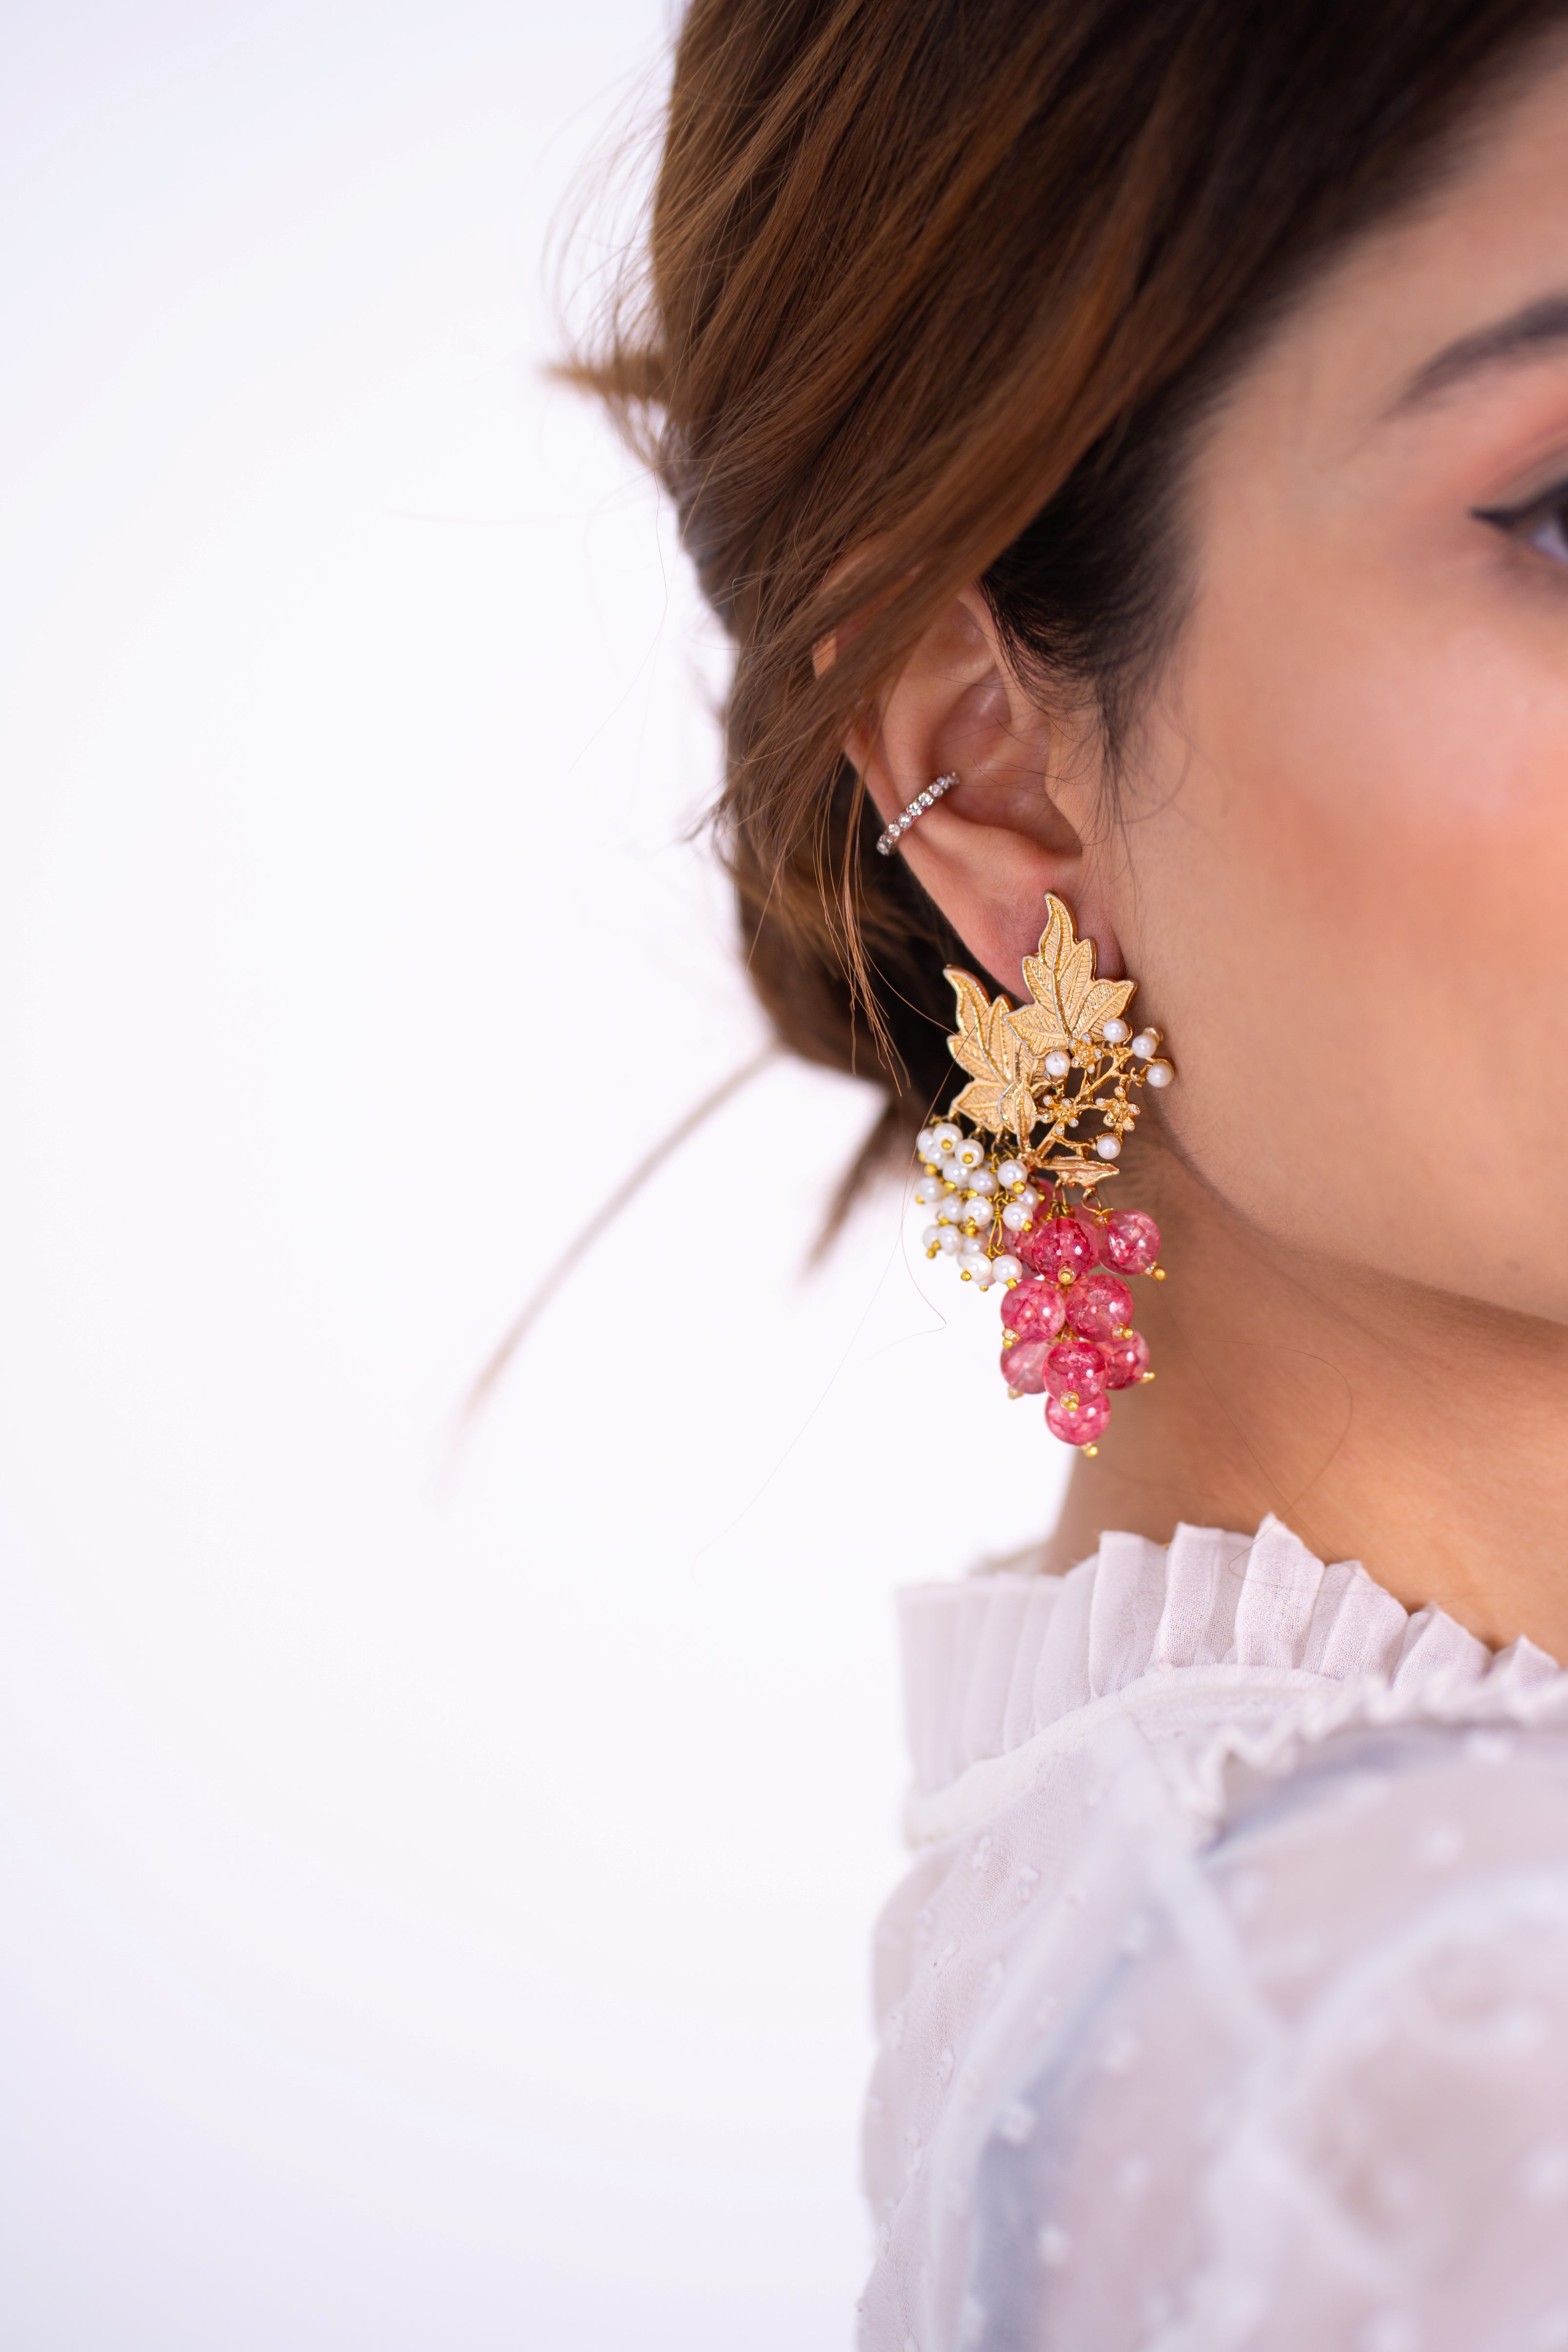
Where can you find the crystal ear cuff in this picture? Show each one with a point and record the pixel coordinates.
(1068, 1060)
(888, 842)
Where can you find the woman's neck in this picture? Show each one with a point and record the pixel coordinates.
(1423, 1434)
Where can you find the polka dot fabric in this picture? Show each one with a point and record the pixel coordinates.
(1227, 2004)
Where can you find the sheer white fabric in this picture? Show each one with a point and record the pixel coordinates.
(1227, 2005)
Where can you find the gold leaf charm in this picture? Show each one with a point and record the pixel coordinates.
(1086, 1172)
(1001, 1067)
(1070, 1003)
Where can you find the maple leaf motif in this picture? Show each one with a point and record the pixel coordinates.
(1070, 1003)
(1000, 1095)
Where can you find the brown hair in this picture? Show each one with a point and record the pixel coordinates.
(950, 285)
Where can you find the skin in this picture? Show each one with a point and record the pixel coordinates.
(1342, 882)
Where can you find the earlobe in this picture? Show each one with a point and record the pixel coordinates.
(1013, 828)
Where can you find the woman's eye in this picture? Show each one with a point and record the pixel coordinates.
(1547, 531)
(1542, 526)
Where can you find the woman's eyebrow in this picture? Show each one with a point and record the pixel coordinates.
(1519, 337)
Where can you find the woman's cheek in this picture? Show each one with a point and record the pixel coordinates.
(1364, 848)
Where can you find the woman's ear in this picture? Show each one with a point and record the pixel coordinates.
(1018, 823)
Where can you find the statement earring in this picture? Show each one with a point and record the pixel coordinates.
(1067, 1061)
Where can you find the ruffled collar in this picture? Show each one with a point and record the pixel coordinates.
(1235, 1623)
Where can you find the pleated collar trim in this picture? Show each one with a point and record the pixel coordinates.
(994, 1660)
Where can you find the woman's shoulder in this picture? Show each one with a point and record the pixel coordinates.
(1234, 1871)
(1326, 2079)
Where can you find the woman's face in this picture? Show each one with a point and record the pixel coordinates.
(1347, 893)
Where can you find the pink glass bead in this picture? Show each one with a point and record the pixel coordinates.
(1091, 1237)
(1034, 1310)
(1037, 1249)
(1059, 1245)
(1099, 1306)
(1075, 1368)
(1081, 1424)
(1126, 1360)
(1131, 1241)
(1023, 1367)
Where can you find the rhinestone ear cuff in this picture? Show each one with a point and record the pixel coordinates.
(1067, 1061)
(888, 841)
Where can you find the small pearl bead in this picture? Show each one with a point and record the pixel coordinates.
(930, 1190)
(1007, 1269)
(1159, 1073)
(1028, 1198)
(1109, 1146)
(948, 1241)
(931, 1237)
(968, 1153)
(1115, 1032)
(982, 1181)
(981, 1272)
(1146, 1043)
(946, 1138)
(1011, 1173)
(1016, 1217)
(1057, 1064)
(925, 1142)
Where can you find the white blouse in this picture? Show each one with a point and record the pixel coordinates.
(1227, 2004)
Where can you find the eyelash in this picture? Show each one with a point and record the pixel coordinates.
(1541, 526)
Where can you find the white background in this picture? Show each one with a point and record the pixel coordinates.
(436, 1887)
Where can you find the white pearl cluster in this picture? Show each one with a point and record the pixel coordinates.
(966, 1191)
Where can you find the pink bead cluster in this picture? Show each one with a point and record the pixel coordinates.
(1068, 1330)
